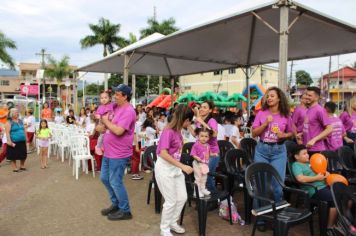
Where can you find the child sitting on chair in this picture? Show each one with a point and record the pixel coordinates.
(304, 174)
(201, 152)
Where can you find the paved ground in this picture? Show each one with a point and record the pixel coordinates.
(52, 202)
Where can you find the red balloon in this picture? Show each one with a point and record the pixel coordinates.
(332, 178)
(318, 163)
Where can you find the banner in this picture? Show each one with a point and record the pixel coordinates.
(30, 89)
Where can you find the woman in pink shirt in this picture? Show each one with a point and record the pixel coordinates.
(168, 170)
(273, 125)
(204, 119)
(348, 118)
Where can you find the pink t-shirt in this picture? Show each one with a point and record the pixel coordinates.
(172, 141)
(315, 122)
(200, 150)
(335, 139)
(346, 120)
(213, 141)
(298, 117)
(104, 109)
(353, 121)
(279, 123)
(120, 146)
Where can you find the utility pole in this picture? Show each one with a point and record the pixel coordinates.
(154, 13)
(43, 53)
(328, 87)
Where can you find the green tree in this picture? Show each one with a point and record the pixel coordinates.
(104, 33)
(303, 78)
(353, 65)
(58, 70)
(5, 43)
(165, 27)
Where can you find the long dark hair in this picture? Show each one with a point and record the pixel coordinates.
(182, 112)
(283, 105)
(211, 106)
(149, 122)
(45, 121)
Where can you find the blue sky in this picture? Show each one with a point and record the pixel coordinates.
(58, 25)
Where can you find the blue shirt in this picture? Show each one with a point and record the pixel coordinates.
(17, 132)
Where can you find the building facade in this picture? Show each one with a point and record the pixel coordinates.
(9, 83)
(230, 81)
(339, 86)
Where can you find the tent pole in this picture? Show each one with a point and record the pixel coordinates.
(133, 85)
(172, 90)
(247, 74)
(126, 69)
(283, 44)
(160, 84)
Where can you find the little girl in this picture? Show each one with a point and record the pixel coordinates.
(235, 132)
(106, 107)
(43, 135)
(201, 152)
(148, 132)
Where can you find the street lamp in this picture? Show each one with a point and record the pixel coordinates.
(25, 89)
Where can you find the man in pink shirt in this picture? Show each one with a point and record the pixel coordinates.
(117, 143)
(317, 125)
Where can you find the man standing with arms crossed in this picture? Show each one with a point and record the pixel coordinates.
(317, 125)
(117, 145)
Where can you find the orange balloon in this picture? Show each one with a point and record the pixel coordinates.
(332, 178)
(318, 163)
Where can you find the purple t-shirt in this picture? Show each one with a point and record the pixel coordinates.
(279, 123)
(335, 139)
(120, 146)
(200, 150)
(346, 120)
(353, 121)
(213, 141)
(316, 120)
(107, 108)
(298, 117)
(172, 141)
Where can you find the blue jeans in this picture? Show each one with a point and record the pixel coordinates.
(213, 164)
(276, 155)
(112, 173)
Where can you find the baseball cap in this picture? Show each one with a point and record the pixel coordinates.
(122, 88)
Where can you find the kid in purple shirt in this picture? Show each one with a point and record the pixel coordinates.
(299, 114)
(201, 152)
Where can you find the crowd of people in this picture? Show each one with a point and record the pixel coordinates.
(119, 133)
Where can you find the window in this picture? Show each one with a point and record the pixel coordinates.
(218, 72)
(232, 71)
(4, 82)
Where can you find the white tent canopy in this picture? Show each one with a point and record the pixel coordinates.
(248, 37)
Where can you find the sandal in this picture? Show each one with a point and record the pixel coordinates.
(15, 170)
(23, 169)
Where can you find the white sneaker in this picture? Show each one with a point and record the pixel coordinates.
(205, 192)
(177, 228)
(163, 233)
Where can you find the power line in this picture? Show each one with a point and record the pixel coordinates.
(43, 53)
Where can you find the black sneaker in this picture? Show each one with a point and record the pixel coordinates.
(109, 210)
(119, 215)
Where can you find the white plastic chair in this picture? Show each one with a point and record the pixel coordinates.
(80, 151)
(64, 142)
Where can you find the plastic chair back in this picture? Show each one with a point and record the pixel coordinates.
(150, 154)
(236, 161)
(187, 147)
(249, 146)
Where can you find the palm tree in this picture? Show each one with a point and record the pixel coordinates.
(104, 33)
(58, 70)
(5, 42)
(165, 27)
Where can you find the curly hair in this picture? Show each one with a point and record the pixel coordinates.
(283, 105)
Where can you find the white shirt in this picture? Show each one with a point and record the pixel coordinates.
(161, 125)
(58, 119)
(221, 132)
(4, 139)
(89, 128)
(228, 129)
(235, 133)
(142, 116)
(149, 136)
(30, 121)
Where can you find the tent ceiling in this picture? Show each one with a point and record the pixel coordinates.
(236, 40)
